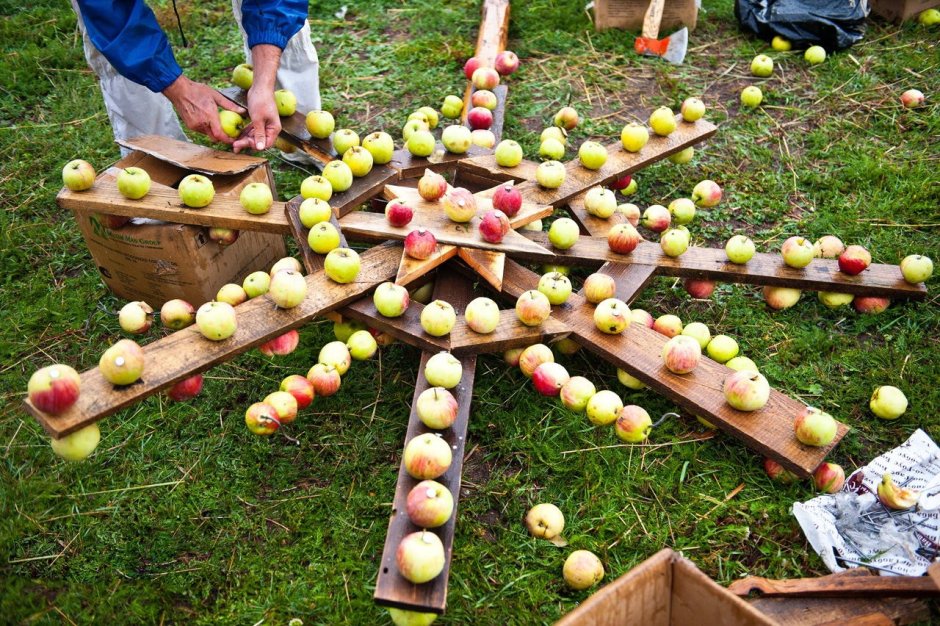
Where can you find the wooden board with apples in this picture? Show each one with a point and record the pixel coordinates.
(312, 261)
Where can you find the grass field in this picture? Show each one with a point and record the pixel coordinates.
(182, 516)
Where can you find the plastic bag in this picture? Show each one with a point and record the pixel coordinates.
(832, 24)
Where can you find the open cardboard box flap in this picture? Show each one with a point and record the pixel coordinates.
(190, 156)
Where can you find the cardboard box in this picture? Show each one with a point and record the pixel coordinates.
(156, 262)
(665, 590)
(900, 10)
(628, 14)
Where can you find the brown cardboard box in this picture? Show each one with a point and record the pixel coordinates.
(628, 14)
(900, 10)
(156, 262)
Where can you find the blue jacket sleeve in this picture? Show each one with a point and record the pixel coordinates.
(272, 21)
(127, 34)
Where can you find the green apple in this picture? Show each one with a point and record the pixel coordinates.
(196, 191)
(692, 109)
(391, 300)
(780, 44)
(438, 318)
(740, 249)
(255, 284)
(419, 115)
(739, 363)
(323, 237)
(604, 408)
(342, 265)
(663, 121)
(762, 66)
(381, 146)
(133, 182)
(508, 153)
(431, 116)
(556, 287)
(631, 188)
(312, 211)
(421, 143)
(815, 55)
(550, 174)
(286, 102)
(482, 315)
(699, 332)
(674, 242)
(556, 133)
(256, 198)
(316, 187)
(78, 175)
(403, 617)
(916, 268)
(751, 96)
(359, 161)
(78, 445)
(564, 233)
(592, 155)
(243, 75)
(320, 124)
(683, 156)
(335, 353)
(722, 348)
(600, 202)
(339, 175)
(552, 149)
(344, 139)
(411, 126)
(682, 210)
(483, 138)
(443, 370)
(231, 122)
(452, 107)
(888, 402)
(930, 17)
(361, 345)
(456, 138)
(634, 136)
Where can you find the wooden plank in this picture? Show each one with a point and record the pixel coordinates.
(410, 166)
(406, 328)
(763, 269)
(619, 162)
(528, 213)
(499, 113)
(594, 226)
(835, 586)
(510, 333)
(473, 182)
(312, 261)
(363, 189)
(697, 599)
(410, 269)
(485, 166)
(489, 265)
(186, 352)
(833, 611)
(293, 129)
(163, 203)
(391, 588)
(192, 156)
(630, 279)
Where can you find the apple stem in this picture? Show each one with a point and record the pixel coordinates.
(663, 419)
(296, 442)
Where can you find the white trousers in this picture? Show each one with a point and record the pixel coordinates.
(134, 110)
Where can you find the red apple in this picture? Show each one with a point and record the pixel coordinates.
(325, 379)
(186, 388)
(623, 238)
(870, 304)
(494, 226)
(223, 236)
(507, 199)
(621, 183)
(281, 345)
(429, 504)
(480, 118)
(533, 356)
(285, 405)
(829, 478)
(261, 419)
(506, 62)
(669, 325)
(778, 473)
(54, 388)
(656, 217)
(681, 354)
(397, 214)
(420, 244)
(485, 78)
(549, 378)
(471, 66)
(299, 387)
(432, 186)
(854, 260)
(699, 288)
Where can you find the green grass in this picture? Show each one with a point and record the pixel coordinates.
(182, 516)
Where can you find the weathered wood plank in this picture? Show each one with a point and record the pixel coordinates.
(485, 166)
(363, 189)
(594, 226)
(391, 588)
(489, 265)
(491, 40)
(312, 261)
(411, 269)
(511, 333)
(187, 352)
(410, 166)
(528, 213)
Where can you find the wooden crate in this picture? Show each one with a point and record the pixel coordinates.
(900, 10)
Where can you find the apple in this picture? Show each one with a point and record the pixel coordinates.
(706, 194)
(313, 211)
(420, 244)
(256, 198)
(480, 118)
(642, 317)
(762, 66)
(682, 210)
(633, 137)
(633, 425)
(323, 238)
(722, 348)
(739, 363)
(316, 187)
(427, 456)
(777, 473)
(338, 174)
(699, 288)
(888, 402)
(223, 236)
(752, 96)
(422, 116)
(533, 307)
(78, 175)
(133, 183)
(814, 427)
(612, 316)
(54, 388)
(545, 521)
(828, 247)
(834, 300)
(550, 174)
(285, 405)
(604, 408)
(299, 387)
(436, 408)
(185, 389)
(533, 356)
(482, 315)
(452, 107)
(564, 233)
(746, 390)
(261, 419)
(815, 55)
(398, 214)
(177, 314)
(344, 139)
(674, 242)
(912, 98)
(281, 345)
(599, 287)
(432, 186)
(216, 320)
(682, 156)
(623, 238)
(582, 570)
(342, 265)
(699, 332)
(669, 325)
(485, 78)
(494, 225)
(576, 392)
(423, 293)
(443, 370)
(930, 17)
(420, 556)
(421, 143)
(134, 317)
(692, 109)
(231, 122)
(507, 199)
(391, 300)
(335, 353)
(483, 138)
(325, 379)
(566, 118)
(457, 139)
(429, 504)
(320, 124)
(600, 202)
(780, 44)
(508, 153)
(592, 155)
(916, 268)
(344, 328)
(196, 191)
(459, 205)
(361, 345)
(288, 289)
(286, 102)
(359, 161)
(534, 226)
(484, 98)
(472, 65)
(78, 445)
(681, 354)
(556, 287)
(663, 121)
(431, 114)
(549, 378)
(122, 363)
(438, 318)
(829, 478)
(854, 260)
(630, 189)
(506, 62)
(556, 133)
(740, 249)
(656, 217)
(243, 76)
(380, 145)
(552, 149)
(797, 252)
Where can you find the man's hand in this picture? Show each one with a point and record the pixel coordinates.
(265, 122)
(198, 106)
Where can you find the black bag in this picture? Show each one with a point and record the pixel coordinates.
(832, 24)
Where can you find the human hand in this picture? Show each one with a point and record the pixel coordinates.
(265, 121)
(198, 106)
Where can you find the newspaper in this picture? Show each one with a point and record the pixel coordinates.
(853, 524)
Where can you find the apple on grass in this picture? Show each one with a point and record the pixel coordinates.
(452, 107)
(177, 314)
(506, 62)
(706, 193)
(682, 156)
(629, 381)
(566, 118)
(325, 379)
(122, 363)
(437, 408)
(814, 427)
(420, 556)
(549, 378)
(533, 356)
(780, 44)
(362, 345)
(888, 402)
(429, 504)
(301, 388)
(282, 345)
(656, 217)
(78, 175)
(829, 478)
(438, 318)
(746, 390)
(722, 348)
(320, 124)
(196, 191)
(668, 324)
(739, 363)
(216, 320)
(633, 425)
(427, 456)
(815, 55)
(916, 268)
(582, 570)
(533, 307)
(777, 473)
(288, 289)
(912, 98)
(78, 445)
(779, 298)
(133, 183)
(335, 354)
(576, 393)
(762, 66)
(752, 96)
(285, 405)
(699, 288)
(599, 287)
(54, 388)
(682, 210)
(834, 300)
(443, 370)
(604, 408)
(261, 419)
(545, 521)
(135, 317)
